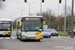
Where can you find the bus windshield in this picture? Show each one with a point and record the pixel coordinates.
(31, 25)
(5, 26)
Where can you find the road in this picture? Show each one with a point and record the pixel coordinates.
(53, 43)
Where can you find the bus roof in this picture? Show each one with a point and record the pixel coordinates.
(26, 16)
(31, 16)
(5, 20)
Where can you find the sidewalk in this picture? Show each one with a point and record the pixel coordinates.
(66, 36)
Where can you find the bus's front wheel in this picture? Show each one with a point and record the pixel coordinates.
(9, 35)
(21, 38)
(17, 37)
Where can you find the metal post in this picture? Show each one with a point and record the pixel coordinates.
(29, 9)
(58, 16)
(40, 7)
(12, 19)
(51, 21)
(21, 10)
(65, 19)
(50, 18)
(29, 6)
(72, 19)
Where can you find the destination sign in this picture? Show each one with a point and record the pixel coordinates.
(4, 22)
(32, 18)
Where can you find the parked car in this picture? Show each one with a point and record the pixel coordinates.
(53, 32)
(69, 32)
(46, 34)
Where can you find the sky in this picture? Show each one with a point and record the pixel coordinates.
(15, 6)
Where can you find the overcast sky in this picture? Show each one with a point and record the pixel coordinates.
(11, 6)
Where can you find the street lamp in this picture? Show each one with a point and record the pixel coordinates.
(40, 6)
(29, 6)
(58, 13)
(65, 19)
(41, 1)
(21, 10)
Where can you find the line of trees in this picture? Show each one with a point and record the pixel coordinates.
(52, 20)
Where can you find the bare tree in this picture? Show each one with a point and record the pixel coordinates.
(49, 18)
(68, 10)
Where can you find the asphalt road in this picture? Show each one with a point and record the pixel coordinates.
(53, 43)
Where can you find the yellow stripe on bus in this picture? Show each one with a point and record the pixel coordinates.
(38, 35)
(6, 32)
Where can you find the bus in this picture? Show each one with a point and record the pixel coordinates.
(30, 27)
(5, 27)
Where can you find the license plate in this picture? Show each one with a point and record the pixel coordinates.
(46, 35)
(32, 38)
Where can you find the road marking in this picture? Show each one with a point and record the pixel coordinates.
(59, 37)
(13, 37)
(7, 37)
(1, 38)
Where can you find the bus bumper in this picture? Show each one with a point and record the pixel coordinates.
(3, 34)
(30, 38)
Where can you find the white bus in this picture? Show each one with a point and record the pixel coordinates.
(5, 27)
(30, 27)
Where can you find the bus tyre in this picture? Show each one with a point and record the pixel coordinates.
(9, 35)
(21, 38)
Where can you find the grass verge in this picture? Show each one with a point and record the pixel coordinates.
(64, 35)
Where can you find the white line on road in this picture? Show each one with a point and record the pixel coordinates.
(13, 37)
(1, 37)
(7, 38)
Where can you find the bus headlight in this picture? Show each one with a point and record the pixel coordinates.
(8, 28)
(23, 36)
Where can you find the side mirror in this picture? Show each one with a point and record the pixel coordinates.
(20, 23)
(43, 22)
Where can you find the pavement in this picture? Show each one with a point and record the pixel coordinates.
(53, 43)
